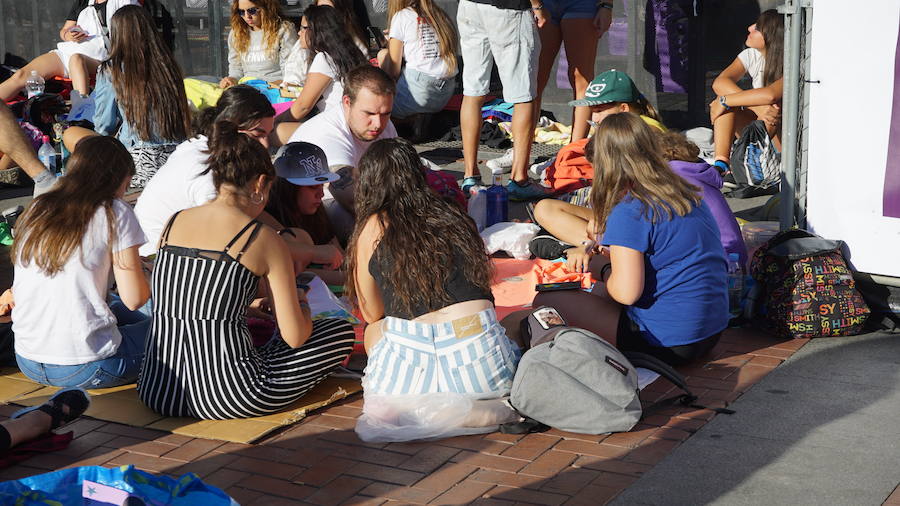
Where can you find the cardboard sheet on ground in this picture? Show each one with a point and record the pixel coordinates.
(122, 405)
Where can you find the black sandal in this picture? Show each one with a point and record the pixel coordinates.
(76, 399)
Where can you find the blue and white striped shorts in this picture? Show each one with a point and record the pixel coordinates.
(420, 358)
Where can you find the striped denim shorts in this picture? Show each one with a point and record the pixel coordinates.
(470, 355)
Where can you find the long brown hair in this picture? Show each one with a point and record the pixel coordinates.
(771, 25)
(283, 207)
(351, 22)
(429, 12)
(423, 233)
(52, 229)
(147, 80)
(272, 24)
(632, 163)
(236, 159)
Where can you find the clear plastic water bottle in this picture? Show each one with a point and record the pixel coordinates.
(47, 155)
(497, 202)
(735, 285)
(34, 86)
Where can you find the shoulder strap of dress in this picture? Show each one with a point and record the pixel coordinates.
(250, 239)
(165, 234)
(241, 233)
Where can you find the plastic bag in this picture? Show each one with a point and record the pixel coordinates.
(72, 486)
(477, 206)
(323, 303)
(512, 238)
(396, 418)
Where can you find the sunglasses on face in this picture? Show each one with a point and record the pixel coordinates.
(252, 11)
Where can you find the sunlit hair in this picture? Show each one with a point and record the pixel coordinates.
(328, 35)
(272, 24)
(236, 159)
(241, 104)
(628, 151)
(771, 25)
(430, 13)
(147, 80)
(675, 146)
(643, 107)
(372, 78)
(423, 233)
(53, 227)
(350, 20)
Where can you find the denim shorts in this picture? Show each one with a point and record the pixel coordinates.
(509, 37)
(419, 93)
(570, 9)
(121, 368)
(470, 355)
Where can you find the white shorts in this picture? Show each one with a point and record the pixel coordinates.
(511, 38)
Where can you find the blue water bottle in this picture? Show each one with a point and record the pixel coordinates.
(497, 202)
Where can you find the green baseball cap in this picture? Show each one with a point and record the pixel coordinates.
(610, 86)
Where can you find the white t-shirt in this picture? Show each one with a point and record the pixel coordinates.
(176, 185)
(754, 63)
(421, 49)
(65, 319)
(331, 95)
(329, 131)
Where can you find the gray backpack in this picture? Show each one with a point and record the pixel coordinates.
(577, 382)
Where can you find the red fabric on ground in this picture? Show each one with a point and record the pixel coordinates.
(47, 443)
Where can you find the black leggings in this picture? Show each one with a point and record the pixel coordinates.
(629, 338)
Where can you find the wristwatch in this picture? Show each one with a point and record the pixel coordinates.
(723, 103)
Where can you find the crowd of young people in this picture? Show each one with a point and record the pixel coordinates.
(220, 231)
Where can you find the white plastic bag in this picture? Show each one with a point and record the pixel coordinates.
(325, 304)
(395, 418)
(478, 205)
(512, 238)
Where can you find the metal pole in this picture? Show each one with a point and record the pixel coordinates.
(793, 31)
(215, 37)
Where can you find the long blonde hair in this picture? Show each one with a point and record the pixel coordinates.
(432, 14)
(628, 160)
(272, 24)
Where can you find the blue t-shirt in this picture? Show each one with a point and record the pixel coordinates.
(685, 296)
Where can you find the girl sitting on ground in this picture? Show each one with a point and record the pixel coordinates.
(735, 108)
(422, 36)
(67, 243)
(662, 290)
(333, 54)
(296, 202)
(684, 160)
(210, 262)
(421, 278)
(84, 45)
(139, 94)
(259, 43)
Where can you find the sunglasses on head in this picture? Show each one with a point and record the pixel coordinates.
(252, 11)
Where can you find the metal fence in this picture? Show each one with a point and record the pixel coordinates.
(795, 112)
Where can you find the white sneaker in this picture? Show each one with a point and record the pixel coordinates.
(502, 164)
(538, 170)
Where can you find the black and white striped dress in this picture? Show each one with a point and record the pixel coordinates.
(200, 361)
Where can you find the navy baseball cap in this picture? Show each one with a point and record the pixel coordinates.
(303, 164)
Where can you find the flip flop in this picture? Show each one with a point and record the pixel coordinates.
(70, 397)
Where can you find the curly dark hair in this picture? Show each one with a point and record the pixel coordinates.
(328, 35)
(423, 233)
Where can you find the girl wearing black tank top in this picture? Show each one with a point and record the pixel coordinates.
(421, 279)
(200, 361)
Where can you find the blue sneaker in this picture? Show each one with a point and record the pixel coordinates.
(468, 183)
(526, 192)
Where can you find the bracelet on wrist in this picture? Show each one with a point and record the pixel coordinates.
(539, 7)
(604, 5)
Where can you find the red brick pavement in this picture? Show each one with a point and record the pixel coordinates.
(321, 461)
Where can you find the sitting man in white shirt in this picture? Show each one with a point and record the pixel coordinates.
(346, 132)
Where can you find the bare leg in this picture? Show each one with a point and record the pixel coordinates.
(47, 65)
(81, 68)
(74, 134)
(580, 39)
(565, 221)
(470, 128)
(372, 335)
(27, 427)
(726, 127)
(523, 135)
(551, 38)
